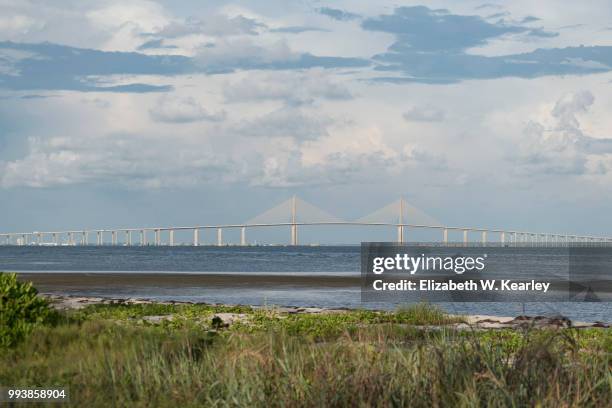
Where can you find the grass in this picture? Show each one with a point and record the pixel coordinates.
(109, 355)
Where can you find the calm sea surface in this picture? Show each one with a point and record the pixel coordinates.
(321, 276)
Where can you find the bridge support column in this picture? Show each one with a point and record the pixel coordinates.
(219, 236)
(128, 238)
(114, 237)
(484, 238)
(143, 237)
(502, 238)
(445, 236)
(85, 238)
(294, 234)
(294, 237)
(157, 237)
(196, 237)
(400, 234)
(171, 237)
(465, 237)
(70, 238)
(243, 236)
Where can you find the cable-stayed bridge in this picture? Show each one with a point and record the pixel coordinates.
(293, 214)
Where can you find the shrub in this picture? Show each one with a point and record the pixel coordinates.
(421, 314)
(20, 309)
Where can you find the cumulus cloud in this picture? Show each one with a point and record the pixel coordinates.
(291, 149)
(559, 145)
(294, 88)
(424, 114)
(137, 161)
(337, 168)
(182, 110)
(16, 25)
(568, 107)
(123, 23)
(287, 122)
(141, 13)
(243, 53)
(341, 157)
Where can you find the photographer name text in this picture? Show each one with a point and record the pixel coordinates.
(427, 285)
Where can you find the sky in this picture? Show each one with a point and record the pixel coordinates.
(148, 113)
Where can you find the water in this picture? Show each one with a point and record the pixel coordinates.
(289, 276)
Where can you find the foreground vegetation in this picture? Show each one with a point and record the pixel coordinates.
(113, 355)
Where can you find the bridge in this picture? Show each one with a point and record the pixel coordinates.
(294, 214)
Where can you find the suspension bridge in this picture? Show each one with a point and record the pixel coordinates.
(293, 214)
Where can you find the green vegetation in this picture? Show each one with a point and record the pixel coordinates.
(114, 355)
(20, 309)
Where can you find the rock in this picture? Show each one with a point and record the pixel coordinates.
(226, 319)
(158, 319)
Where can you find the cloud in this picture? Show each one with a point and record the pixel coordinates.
(294, 88)
(155, 44)
(287, 122)
(529, 19)
(182, 110)
(498, 15)
(489, 6)
(337, 14)
(354, 154)
(431, 46)
(137, 161)
(143, 14)
(569, 106)
(214, 25)
(122, 23)
(559, 146)
(296, 29)
(228, 54)
(49, 66)
(419, 28)
(15, 25)
(424, 114)
(337, 168)
(244, 53)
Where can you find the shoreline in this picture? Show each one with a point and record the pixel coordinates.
(116, 287)
(75, 302)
